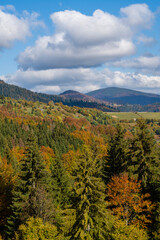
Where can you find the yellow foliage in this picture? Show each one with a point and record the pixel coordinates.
(35, 229)
(124, 232)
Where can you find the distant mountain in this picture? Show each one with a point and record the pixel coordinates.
(102, 99)
(72, 98)
(124, 96)
(70, 94)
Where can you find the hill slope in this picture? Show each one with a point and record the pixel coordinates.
(8, 90)
(124, 96)
(70, 94)
(74, 95)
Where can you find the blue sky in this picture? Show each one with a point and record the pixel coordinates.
(52, 46)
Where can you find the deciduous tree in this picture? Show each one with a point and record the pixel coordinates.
(127, 202)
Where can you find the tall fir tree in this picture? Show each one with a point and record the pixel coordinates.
(88, 199)
(62, 184)
(32, 179)
(145, 165)
(116, 160)
(144, 162)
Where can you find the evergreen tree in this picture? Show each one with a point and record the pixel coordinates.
(144, 162)
(117, 155)
(88, 199)
(62, 184)
(32, 177)
(145, 166)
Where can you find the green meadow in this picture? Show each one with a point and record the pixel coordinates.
(134, 115)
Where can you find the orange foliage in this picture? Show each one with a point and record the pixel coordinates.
(85, 136)
(96, 143)
(17, 153)
(78, 123)
(127, 202)
(48, 155)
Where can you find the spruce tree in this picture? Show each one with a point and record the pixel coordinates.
(117, 155)
(61, 183)
(33, 176)
(144, 162)
(88, 199)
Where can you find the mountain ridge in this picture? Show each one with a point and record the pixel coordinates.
(108, 99)
(124, 96)
(72, 94)
(16, 92)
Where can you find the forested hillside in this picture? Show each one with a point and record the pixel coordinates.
(8, 90)
(77, 173)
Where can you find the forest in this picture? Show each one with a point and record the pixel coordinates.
(71, 173)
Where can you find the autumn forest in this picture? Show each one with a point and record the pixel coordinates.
(77, 173)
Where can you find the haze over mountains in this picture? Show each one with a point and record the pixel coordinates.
(105, 99)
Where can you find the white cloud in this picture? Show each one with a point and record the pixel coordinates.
(138, 15)
(14, 28)
(47, 54)
(81, 79)
(46, 89)
(87, 41)
(60, 62)
(146, 64)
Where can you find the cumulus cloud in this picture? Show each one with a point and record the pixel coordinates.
(138, 16)
(13, 27)
(87, 41)
(62, 61)
(81, 79)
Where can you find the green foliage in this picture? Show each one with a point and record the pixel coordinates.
(61, 184)
(16, 92)
(30, 196)
(88, 199)
(144, 160)
(65, 189)
(63, 139)
(155, 231)
(116, 161)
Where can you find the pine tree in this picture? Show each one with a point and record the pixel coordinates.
(88, 199)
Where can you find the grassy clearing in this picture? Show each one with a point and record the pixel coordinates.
(132, 115)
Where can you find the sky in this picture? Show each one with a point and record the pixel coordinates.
(56, 45)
